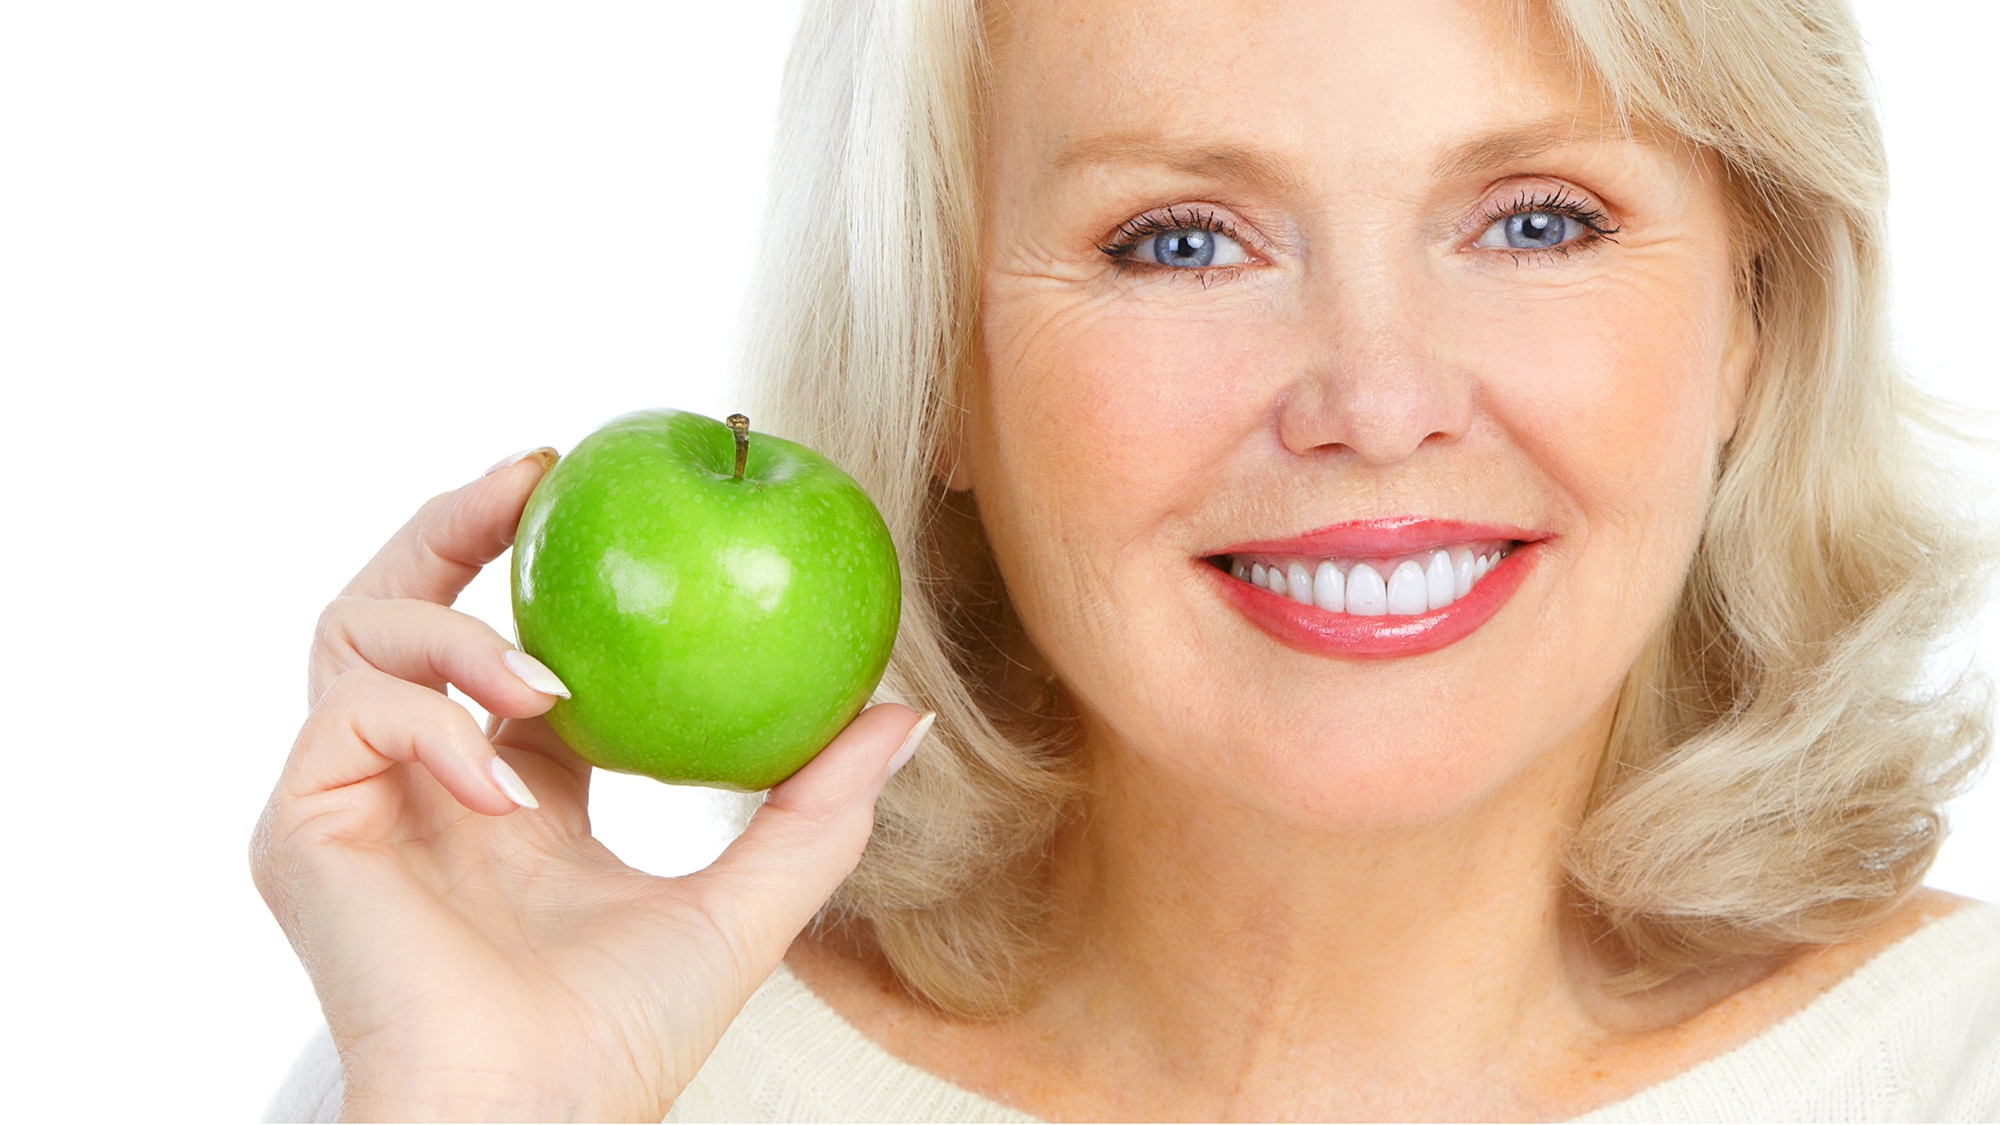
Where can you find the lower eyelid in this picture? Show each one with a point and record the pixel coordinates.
(1553, 254)
(1204, 276)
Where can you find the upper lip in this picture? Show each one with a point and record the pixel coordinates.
(1393, 535)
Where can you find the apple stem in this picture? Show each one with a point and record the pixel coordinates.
(740, 425)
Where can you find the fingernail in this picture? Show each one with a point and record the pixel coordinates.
(547, 454)
(511, 784)
(910, 742)
(534, 673)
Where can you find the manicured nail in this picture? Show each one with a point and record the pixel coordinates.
(911, 740)
(511, 784)
(547, 454)
(534, 673)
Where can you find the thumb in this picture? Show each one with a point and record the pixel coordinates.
(807, 837)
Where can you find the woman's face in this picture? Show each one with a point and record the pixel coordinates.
(1272, 285)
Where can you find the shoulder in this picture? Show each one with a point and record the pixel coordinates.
(1904, 1026)
(773, 1063)
(789, 1056)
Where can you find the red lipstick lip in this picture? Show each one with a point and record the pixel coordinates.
(1313, 630)
(1381, 538)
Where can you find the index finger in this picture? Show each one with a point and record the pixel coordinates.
(443, 546)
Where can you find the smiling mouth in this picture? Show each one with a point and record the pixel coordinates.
(1404, 585)
(1391, 587)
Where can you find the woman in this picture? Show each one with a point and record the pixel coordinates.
(1416, 558)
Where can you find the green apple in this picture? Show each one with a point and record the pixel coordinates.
(720, 603)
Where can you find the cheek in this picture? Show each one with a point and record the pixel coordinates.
(1608, 402)
(1613, 399)
(1100, 434)
(1103, 426)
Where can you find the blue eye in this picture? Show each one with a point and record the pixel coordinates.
(1189, 248)
(1533, 230)
(1546, 221)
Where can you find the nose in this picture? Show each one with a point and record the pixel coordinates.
(1372, 380)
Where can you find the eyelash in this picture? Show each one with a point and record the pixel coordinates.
(1596, 224)
(1133, 231)
(1130, 233)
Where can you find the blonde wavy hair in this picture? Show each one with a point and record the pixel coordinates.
(1778, 763)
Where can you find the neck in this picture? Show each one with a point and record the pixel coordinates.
(1221, 937)
(1219, 962)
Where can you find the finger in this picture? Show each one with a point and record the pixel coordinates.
(433, 645)
(535, 736)
(369, 721)
(807, 836)
(451, 537)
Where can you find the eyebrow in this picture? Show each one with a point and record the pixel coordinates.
(1519, 142)
(1214, 162)
(1263, 169)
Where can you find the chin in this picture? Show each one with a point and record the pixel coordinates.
(1403, 766)
(1365, 744)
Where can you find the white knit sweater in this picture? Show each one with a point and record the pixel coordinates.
(1913, 1035)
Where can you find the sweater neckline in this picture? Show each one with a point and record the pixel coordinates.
(1792, 1048)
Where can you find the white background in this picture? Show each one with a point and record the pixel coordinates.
(272, 274)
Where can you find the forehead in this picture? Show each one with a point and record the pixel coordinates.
(1358, 80)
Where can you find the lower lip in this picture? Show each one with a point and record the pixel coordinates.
(1311, 629)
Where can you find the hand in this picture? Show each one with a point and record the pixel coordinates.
(480, 959)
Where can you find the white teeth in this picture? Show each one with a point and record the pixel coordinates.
(1438, 581)
(1366, 595)
(1426, 581)
(1407, 594)
(1298, 583)
(1329, 588)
